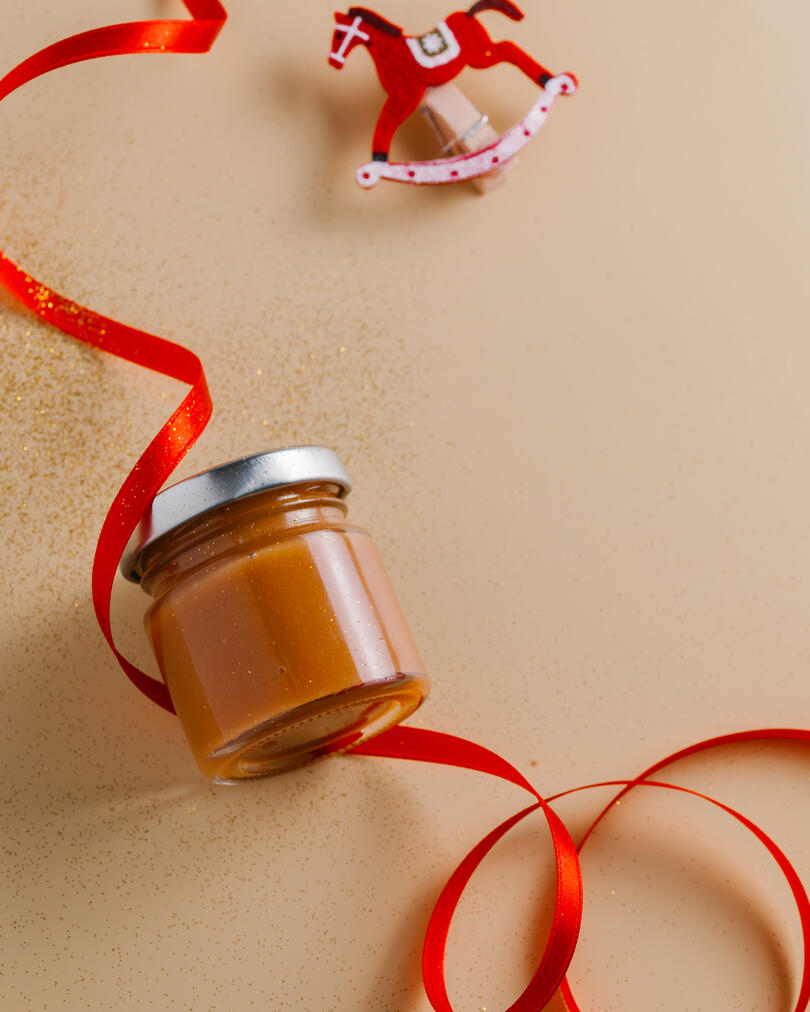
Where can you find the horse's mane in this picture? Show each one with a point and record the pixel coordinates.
(374, 19)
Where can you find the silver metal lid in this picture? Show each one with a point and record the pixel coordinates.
(194, 496)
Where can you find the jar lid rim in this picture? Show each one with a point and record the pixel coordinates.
(217, 486)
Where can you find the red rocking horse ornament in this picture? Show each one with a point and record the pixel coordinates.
(409, 65)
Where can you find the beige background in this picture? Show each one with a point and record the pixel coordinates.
(577, 418)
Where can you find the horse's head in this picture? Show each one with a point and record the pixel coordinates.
(348, 33)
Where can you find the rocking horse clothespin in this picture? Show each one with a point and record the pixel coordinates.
(415, 71)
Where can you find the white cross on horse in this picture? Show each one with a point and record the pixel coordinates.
(352, 32)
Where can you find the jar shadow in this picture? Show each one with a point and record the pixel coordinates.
(78, 725)
(395, 977)
(110, 789)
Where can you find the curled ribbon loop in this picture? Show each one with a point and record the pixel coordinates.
(167, 449)
(431, 746)
(791, 876)
(157, 461)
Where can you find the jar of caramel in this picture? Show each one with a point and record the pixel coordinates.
(274, 624)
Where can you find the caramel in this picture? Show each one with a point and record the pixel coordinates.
(276, 630)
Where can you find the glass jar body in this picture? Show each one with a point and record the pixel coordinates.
(277, 633)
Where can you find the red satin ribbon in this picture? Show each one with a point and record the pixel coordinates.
(167, 449)
(432, 746)
(181, 431)
(195, 36)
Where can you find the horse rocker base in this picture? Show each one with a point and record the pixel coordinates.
(475, 163)
(460, 129)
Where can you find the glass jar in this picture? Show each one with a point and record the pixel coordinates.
(274, 624)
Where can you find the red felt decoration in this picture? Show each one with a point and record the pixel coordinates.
(407, 65)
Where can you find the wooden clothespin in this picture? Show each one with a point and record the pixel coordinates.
(461, 128)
